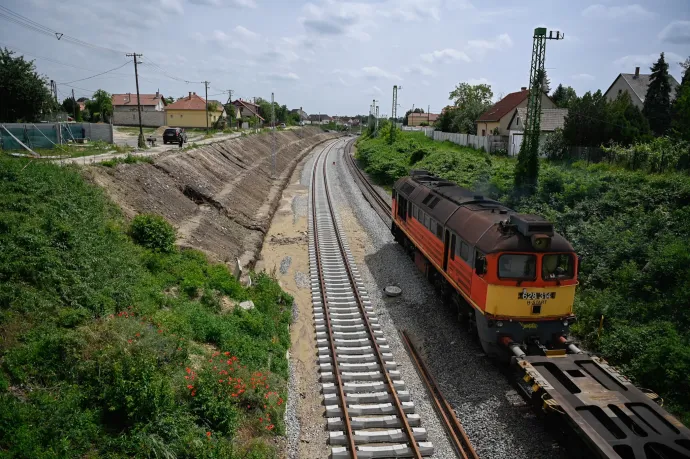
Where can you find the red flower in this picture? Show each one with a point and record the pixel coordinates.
(208, 434)
(270, 427)
(193, 393)
(188, 370)
(189, 386)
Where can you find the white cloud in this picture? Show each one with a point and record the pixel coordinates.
(220, 3)
(475, 81)
(172, 6)
(282, 76)
(677, 32)
(480, 47)
(374, 91)
(628, 63)
(419, 70)
(582, 77)
(445, 55)
(628, 12)
(245, 33)
(375, 73)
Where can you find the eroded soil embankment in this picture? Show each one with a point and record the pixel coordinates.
(220, 196)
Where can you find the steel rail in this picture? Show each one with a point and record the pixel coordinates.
(322, 283)
(360, 304)
(365, 184)
(458, 437)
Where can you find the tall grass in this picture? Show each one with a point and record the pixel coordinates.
(631, 228)
(110, 349)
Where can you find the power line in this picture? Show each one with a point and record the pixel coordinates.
(150, 63)
(23, 21)
(98, 74)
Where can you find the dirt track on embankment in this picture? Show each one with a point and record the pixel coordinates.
(220, 197)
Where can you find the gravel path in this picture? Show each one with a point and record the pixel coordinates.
(497, 422)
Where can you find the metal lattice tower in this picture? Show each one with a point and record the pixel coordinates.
(394, 112)
(528, 163)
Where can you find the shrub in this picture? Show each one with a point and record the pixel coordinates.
(153, 232)
(555, 146)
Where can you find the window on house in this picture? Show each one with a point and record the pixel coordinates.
(483, 132)
(620, 91)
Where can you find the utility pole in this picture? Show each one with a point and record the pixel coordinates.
(273, 136)
(428, 114)
(376, 128)
(527, 168)
(206, 83)
(301, 124)
(140, 141)
(74, 101)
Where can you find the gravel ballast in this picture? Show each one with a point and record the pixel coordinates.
(497, 422)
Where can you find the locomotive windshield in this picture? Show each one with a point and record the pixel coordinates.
(517, 266)
(557, 266)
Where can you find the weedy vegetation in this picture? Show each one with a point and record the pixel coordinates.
(631, 227)
(116, 344)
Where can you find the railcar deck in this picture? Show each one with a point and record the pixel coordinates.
(612, 416)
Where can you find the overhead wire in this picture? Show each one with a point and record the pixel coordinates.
(16, 18)
(151, 63)
(97, 75)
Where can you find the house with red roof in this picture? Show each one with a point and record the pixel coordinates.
(499, 115)
(152, 109)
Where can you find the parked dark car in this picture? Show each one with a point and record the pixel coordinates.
(172, 135)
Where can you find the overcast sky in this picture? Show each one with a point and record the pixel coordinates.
(335, 57)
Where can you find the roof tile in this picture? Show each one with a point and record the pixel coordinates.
(504, 106)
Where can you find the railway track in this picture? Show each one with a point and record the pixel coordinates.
(458, 438)
(369, 411)
(375, 199)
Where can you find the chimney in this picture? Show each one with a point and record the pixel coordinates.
(129, 96)
(637, 72)
(157, 94)
(524, 88)
(190, 95)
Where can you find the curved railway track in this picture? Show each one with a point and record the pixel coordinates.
(369, 411)
(456, 434)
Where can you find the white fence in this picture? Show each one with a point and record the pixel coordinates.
(489, 143)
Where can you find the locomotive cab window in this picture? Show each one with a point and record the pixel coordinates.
(557, 266)
(517, 266)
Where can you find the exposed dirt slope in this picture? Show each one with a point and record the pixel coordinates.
(220, 196)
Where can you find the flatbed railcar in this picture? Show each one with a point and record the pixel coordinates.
(514, 278)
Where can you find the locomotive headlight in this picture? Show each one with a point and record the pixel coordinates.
(541, 241)
(499, 324)
(565, 323)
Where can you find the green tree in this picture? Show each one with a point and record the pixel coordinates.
(586, 122)
(545, 82)
(169, 100)
(71, 106)
(23, 92)
(470, 102)
(562, 96)
(100, 106)
(231, 113)
(681, 105)
(445, 120)
(625, 122)
(657, 102)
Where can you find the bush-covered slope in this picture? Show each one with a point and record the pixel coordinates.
(109, 349)
(631, 228)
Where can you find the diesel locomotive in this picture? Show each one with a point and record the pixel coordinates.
(511, 275)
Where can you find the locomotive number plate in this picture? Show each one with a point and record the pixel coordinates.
(525, 295)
